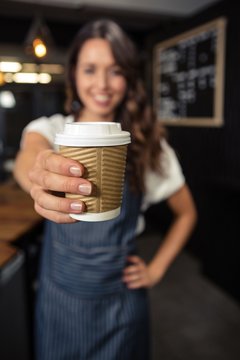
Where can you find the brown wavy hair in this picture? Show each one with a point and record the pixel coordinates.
(134, 113)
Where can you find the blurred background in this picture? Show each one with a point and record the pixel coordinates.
(203, 284)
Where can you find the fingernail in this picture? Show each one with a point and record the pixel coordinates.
(74, 170)
(85, 189)
(76, 206)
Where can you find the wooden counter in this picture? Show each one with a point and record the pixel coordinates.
(20, 226)
(17, 218)
(17, 214)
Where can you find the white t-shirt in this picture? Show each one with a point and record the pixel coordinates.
(158, 187)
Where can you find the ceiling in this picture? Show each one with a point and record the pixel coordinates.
(134, 15)
(63, 17)
(164, 7)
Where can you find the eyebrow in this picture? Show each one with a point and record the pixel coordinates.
(93, 64)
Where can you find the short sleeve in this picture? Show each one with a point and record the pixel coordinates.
(160, 186)
(47, 126)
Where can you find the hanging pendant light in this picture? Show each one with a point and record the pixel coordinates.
(39, 39)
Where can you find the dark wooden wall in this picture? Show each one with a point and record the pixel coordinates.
(211, 161)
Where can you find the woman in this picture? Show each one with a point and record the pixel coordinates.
(92, 301)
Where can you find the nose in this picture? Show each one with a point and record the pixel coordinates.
(102, 80)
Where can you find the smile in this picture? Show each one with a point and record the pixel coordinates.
(102, 98)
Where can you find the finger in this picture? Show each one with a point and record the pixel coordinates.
(131, 277)
(58, 164)
(136, 284)
(48, 201)
(131, 269)
(134, 259)
(139, 264)
(55, 216)
(55, 182)
(134, 281)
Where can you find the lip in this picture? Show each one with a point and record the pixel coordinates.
(102, 100)
(102, 97)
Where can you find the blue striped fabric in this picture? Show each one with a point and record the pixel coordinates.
(84, 311)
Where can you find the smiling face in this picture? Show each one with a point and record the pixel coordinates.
(100, 83)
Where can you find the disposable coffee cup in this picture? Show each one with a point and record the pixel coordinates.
(102, 148)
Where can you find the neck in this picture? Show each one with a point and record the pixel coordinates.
(88, 117)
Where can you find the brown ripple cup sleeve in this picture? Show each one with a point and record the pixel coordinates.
(102, 149)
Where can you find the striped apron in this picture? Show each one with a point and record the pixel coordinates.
(84, 311)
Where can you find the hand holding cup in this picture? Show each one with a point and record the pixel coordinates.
(51, 176)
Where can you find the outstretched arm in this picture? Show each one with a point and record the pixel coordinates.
(32, 145)
(43, 173)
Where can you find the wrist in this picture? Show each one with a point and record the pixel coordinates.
(156, 272)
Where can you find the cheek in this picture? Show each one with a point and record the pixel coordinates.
(121, 86)
(80, 83)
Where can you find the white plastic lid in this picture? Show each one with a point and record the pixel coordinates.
(92, 134)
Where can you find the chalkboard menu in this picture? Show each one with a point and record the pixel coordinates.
(189, 76)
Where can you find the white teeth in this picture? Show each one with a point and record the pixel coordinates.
(102, 97)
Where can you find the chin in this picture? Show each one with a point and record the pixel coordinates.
(104, 115)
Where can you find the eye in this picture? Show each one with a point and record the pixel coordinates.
(88, 70)
(116, 71)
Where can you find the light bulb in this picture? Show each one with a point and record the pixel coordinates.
(39, 47)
